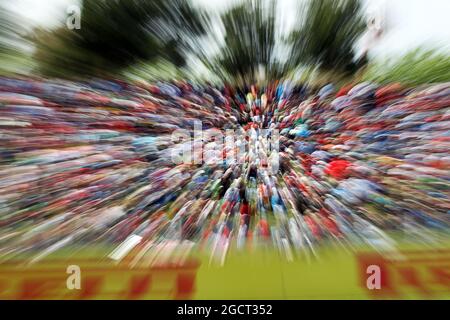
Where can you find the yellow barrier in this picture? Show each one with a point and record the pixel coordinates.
(334, 274)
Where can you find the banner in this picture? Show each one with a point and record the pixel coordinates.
(332, 274)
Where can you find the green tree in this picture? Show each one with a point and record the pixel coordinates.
(7, 29)
(326, 33)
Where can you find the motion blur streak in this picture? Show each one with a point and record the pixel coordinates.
(87, 165)
(90, 123)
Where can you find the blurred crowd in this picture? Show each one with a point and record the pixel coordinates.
(92, 162)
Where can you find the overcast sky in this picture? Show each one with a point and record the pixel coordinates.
(410, 23)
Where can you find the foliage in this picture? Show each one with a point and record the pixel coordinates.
(326, 35)
(417, 67)
(117, 34)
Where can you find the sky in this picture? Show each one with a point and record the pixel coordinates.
(408, 23)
